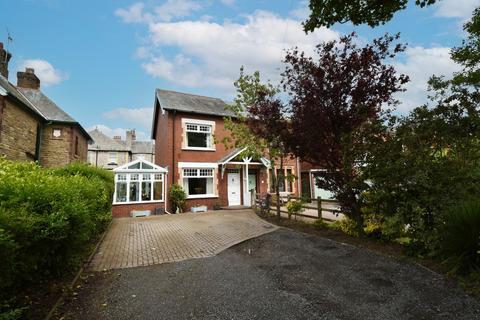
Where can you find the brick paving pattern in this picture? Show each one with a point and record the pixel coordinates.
(132, 242)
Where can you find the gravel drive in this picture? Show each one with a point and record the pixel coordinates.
(280, 275)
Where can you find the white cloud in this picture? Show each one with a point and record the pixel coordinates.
(167, 11)
(302, 11)
(210, 53)
(462, 9)
(133, 14)
(228, 2)
(420, 64)
(135, 116)
(44, 70)
(111, 132)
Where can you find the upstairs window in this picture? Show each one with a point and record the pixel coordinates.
(112, 158)
(199, 136)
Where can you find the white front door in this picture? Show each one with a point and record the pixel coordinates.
(234, 189)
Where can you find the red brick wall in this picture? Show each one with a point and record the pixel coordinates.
(123, 210)
(167, 152)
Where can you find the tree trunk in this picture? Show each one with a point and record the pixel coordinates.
(359, 221)
(277, 189)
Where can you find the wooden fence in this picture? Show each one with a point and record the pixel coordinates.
(266, 204)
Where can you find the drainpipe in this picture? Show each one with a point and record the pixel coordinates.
(173, 149)
(38, 144)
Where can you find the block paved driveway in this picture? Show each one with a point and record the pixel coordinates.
(132, 242)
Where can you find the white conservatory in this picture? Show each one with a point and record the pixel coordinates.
(138, 183)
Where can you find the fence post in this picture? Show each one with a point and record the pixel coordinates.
(319, 207)
(267, 201)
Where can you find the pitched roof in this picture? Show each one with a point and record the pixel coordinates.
(47, 107)
(13, 91)
(172, 100)
(190, 103)
(104, 143)
(39, 104)
(142, 147)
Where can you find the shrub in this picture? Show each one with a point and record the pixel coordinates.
(320, 224)
(460, 238)
(177, 197)
(48, 218)
(294, 207)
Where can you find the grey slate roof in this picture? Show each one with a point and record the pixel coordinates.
(142, 147)
(13, 91)
(46, 106)
(233, 153)
(39, 104)
(184, 102)
(104, 143)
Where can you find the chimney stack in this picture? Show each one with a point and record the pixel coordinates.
(118, 138)
(130, 137)
(28, 79)
(5, 57)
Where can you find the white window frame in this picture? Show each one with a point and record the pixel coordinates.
(154, 177)
(199, 166)
(199, 123)
(156, 173)
(110, 153)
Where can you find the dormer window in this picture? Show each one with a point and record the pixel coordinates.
(198, 134)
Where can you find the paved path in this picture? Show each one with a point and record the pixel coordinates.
(281, 275)
(132, 242)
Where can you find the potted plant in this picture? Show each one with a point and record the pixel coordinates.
(177, 197)
(217, 205)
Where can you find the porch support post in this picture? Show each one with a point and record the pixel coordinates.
(246, 193)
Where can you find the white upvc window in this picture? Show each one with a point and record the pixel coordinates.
(199, 136)
(198, 182)
(112, 157)
(139, 187)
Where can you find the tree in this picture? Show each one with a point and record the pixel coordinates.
(247, 132)
(372, 12)
(335, 111)
(431, 159)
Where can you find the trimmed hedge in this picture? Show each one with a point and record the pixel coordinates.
(48, 218)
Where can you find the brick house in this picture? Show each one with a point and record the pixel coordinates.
(33, 127)
(184, 127)
(109, 153)
(309, 189)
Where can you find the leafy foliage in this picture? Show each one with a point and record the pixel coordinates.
(47, 220)
(335, 112)
(294, 207)
(178, 197)
(325, 13)
(460, 238)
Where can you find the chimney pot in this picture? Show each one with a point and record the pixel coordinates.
(117, 138)
(5, 57)
(30, 70)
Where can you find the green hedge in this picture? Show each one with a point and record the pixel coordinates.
(48, 218)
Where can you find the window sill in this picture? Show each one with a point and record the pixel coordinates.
(202, 196)
(138, 202)
(198, 149)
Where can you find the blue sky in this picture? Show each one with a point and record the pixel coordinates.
(102, 60)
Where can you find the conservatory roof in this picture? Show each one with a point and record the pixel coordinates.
(140, 165)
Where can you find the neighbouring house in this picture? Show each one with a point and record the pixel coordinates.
(186, 129)
(308, 173)
(139, 189)
(32, 126)
(109, 153)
